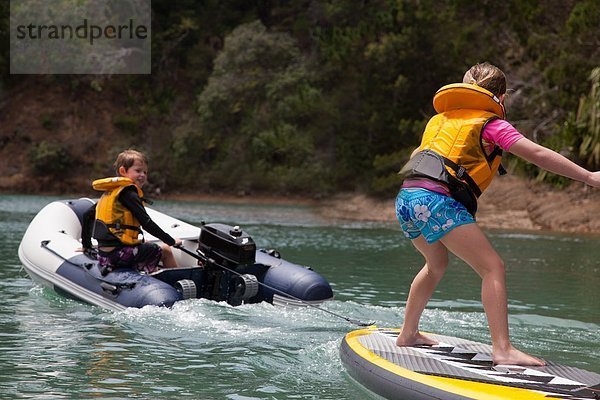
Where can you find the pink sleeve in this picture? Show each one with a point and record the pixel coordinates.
(501, 133)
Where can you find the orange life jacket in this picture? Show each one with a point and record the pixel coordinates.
(113, 220)
(455, 133)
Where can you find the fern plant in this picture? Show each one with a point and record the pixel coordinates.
(588, 119)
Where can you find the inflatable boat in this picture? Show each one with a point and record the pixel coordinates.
(216, 261)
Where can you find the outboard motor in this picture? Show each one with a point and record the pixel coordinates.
(227, 246)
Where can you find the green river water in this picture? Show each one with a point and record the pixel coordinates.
(55, 348)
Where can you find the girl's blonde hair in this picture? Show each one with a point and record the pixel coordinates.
(488, 77)
(127, 158)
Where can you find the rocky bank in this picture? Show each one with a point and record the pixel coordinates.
(509, 203)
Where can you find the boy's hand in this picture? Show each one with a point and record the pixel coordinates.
(178, 243)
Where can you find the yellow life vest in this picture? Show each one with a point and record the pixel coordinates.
(455, 133)
(113, 220)
(463, 95)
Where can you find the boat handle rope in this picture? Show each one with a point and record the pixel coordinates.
(106, 285)
(211, 261)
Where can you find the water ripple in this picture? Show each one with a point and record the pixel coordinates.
(56, 348)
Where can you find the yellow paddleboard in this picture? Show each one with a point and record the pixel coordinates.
(454, 369)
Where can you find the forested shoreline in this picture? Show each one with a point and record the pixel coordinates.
(304, 98)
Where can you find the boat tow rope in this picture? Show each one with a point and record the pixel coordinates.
(112, 287)
(211, 261)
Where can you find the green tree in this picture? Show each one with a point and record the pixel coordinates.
(588, 118)
(255, 113)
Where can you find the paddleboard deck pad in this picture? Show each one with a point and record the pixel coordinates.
(454, 369)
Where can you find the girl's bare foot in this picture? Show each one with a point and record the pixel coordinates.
(414, 339)
(513, 356)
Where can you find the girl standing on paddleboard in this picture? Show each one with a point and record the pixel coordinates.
(459, 155)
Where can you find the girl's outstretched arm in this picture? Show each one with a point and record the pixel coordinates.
(553, 162)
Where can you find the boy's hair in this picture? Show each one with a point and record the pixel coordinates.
(488, 77)
(127, 158)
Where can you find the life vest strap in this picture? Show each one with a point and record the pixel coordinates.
(497, 152)
(461, 173)
(124, 226)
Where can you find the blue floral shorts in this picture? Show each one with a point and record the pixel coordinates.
(427, 213)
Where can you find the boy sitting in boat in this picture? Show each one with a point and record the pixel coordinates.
(116, 220)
